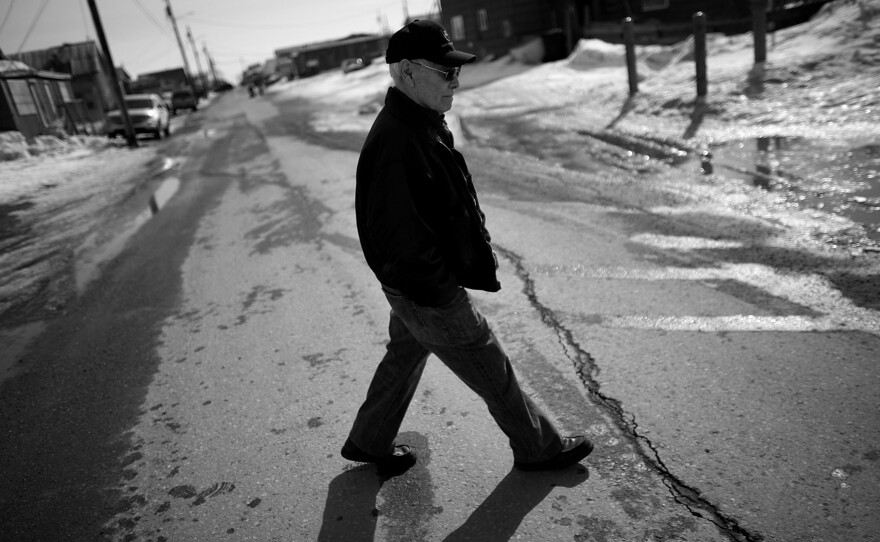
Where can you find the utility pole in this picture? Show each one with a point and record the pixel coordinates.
(192, 44)
(182, 51)
(210, 62)
(130, 136)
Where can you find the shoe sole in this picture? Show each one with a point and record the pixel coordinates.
(394, 464)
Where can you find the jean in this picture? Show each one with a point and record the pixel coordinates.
(461, 338)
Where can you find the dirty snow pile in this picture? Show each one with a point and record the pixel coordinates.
(14, 146)
(65, 165)
(821, 79)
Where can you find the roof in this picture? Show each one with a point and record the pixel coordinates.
(328, 44)
(81, 58)
(11, 68)
(14, 69)
(170, 72)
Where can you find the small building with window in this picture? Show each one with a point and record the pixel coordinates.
(490, 28)
(37, 102)
(313, 58)
(89, 78)
(160, 81)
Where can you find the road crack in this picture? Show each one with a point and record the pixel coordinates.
(587, 370)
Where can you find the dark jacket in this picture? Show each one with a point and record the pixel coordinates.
(418, 218)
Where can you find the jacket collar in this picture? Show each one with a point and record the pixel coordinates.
(412, 113)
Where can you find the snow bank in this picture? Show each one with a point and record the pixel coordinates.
(14, 146)
(591, 54)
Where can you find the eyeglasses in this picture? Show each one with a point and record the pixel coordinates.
(449, 75)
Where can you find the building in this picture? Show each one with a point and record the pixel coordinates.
(160, 81)
(490, 28)
(84, 62)
(36, 102)
(313, 58)
(668, 21)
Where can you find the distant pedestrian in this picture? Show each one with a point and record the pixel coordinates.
(423, 234)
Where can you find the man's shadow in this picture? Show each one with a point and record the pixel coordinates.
(499, 516)
(350, 512)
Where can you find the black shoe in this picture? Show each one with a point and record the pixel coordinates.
(573, 450)
(397, 463)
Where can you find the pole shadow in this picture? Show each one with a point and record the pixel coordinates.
(628, 106)
(499, 516)
(697, 116)
(755, 80)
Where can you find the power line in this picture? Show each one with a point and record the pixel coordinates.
(33, 24)
(85, 21)
(6, 16)
(152, 19)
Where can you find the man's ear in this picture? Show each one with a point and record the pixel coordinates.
(406, 70)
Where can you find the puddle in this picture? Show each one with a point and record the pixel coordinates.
(842, 177)
(98, 249)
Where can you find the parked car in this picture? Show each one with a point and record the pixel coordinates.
(148, 114)
(222, 86)
(183, 98)
(353, 64)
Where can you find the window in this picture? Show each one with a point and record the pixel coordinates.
(65, 92)
(47, 88)
(654, 5)
(138, 103)
(457, 23)
(21, 97)
(483, 17)
(45, 116)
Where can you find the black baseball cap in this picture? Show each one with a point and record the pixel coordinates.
(428, 40)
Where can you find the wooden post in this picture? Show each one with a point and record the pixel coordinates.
(569, 31)
(630, 41)
(130, 136)
(759, 29)
(700, 54)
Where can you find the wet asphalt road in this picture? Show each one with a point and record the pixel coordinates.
(200, 388)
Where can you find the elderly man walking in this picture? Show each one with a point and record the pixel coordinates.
(423, 234)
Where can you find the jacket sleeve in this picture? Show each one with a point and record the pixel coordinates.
(408, 247)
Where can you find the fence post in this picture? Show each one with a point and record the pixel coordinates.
(700, 54)
(630, 42)
(759, 29)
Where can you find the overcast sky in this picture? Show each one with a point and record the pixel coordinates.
(235, 32)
